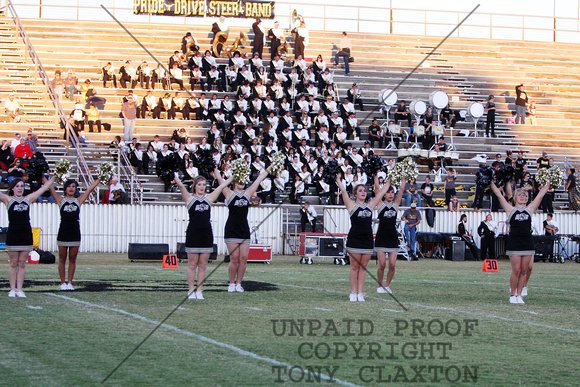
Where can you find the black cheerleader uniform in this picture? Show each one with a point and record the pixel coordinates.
(387, 238)
(19, 234)
(520, 241)
(237, 229)
(360, 236)
(69, 232)
(199, 235)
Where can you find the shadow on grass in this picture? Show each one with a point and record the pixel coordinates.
(41, 286)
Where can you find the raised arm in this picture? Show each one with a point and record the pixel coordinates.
(183, 189)
(256, 184)
(35, 195)
(345, 198)
(533, 206)
(399, 194)
(212, 197)
(88, 191)
(379, 195)
(57, 198)
(504, 203)
(4, 198)
(226, 190)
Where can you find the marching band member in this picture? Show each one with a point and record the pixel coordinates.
(144, 72)
(301, 40)
(148, 104)
(354, 95)
(256, 62)
(128, 74)
(109, 75)
(217, 27)
(159, 74)
(259, 38)
(275, 35)
(177, 104)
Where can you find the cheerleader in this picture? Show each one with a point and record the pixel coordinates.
(359, 243)
(199, 235)
(387, 238)
(520, 244)
(19, 235)
(237, 230)
(68, 239)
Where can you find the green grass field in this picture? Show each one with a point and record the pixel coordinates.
(459, 325)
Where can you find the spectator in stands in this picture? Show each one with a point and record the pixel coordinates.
(427, 191)
(5, 155)
(490, 119)
(519, 163)
(129, 112)
(527, 185)
(532, 112)
(412, 218)
(32, 141)
(521, 103)
(109, 75)
(454, 204)
(344, 52)
(487, 230)
(115, 186)
(12, 108)
(571, 189)
(15, 142)
(544, 161)
(412, 193)
(448, 117)
(94, 118)
(550, 225)
(15, 171)
(23, 152)
(449, 184)
(466, 236)
(402, 113)
(375, 134)
(57, 85)
(87, 90)
(71, 84)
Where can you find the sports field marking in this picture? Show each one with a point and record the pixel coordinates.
(253, 308)
(527, 311)
(323, 309)
(392, 310)
(233, 348)
(490, 316)
(34, 307)
(494, 283)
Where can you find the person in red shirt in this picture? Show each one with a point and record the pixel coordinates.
(23, 152)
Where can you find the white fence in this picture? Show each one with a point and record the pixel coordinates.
(336, 220)
(110, 228)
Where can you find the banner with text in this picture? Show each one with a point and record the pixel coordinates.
(201, 8)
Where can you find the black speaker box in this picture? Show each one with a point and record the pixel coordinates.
(181, 254)
(456, 252)
(148, 251)
(331, 247)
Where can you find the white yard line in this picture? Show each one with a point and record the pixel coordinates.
(490, 316)
(233, 348)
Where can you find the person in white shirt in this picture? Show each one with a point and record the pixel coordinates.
(114, 186)
(12, 108)
(308, 215)
(176, 75)
(344, 52)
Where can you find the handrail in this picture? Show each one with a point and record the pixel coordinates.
(127, 174)
(83, 171)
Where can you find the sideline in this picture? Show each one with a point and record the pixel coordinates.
(233, 348)
(446, 309)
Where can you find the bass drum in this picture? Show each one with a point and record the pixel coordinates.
(439, 99)
(418, 107)
(388, 97)
(475, 109)
(419, 130)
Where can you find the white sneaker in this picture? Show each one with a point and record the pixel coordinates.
(384, 290)
(69, 287)
(20, 294)
(231, 288)
(353, 297)
(520, 300)
(199, 295)
(513, 299)
(12, 293)
(239, 288)
(63, 286)
(191, 296)
(524, 291)
(361, 297)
